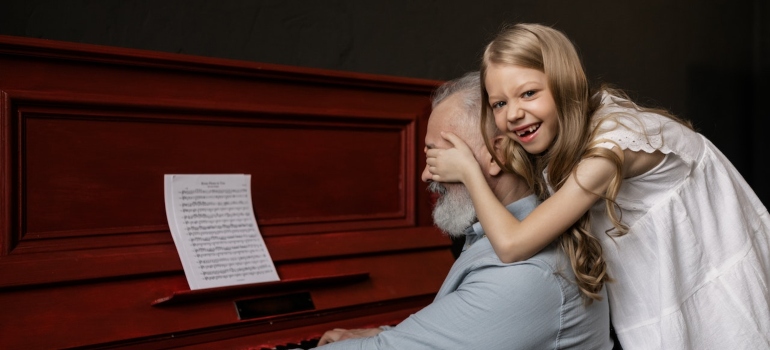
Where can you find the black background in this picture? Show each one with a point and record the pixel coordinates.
(706, 61)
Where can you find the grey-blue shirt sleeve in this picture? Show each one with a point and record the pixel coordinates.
(495, 307)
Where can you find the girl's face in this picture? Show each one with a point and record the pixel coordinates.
(523, 105)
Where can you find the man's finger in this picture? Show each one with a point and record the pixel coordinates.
(331, 336)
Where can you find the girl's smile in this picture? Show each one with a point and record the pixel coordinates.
(523, 105)
(527, 133)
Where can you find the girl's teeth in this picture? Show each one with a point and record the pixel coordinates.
(528, 130)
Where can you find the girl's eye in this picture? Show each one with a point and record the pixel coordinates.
(529, 93)
(497, 105)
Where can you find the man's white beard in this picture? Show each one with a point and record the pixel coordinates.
(454, 210)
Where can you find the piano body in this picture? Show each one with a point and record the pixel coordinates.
(86, 257)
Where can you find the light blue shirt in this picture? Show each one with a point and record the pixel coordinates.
(486, 304)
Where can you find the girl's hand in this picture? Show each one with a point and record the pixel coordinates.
(453, 164)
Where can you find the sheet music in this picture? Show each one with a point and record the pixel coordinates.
(215, 231)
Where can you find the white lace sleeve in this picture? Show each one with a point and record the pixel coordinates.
(630, 132)
(630, 129)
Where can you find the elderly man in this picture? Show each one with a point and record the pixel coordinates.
(483, 303)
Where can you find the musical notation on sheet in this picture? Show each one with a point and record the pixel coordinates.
(215, 231)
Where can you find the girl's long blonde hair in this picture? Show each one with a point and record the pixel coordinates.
(551, 52)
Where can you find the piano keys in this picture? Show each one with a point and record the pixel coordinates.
(302, 344)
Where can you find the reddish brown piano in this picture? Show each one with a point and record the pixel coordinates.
(86, 256)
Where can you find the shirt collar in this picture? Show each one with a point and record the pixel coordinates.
(520, 209)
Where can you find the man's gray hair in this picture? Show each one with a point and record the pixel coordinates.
(468, 87)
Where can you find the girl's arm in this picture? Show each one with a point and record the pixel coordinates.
(515, 240)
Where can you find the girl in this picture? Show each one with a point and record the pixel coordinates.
(685, 238)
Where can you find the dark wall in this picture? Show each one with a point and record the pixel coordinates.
(704, 60)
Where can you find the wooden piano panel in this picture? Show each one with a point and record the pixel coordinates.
(78, 162)
(86, 134)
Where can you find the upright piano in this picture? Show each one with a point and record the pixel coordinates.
(87, 260)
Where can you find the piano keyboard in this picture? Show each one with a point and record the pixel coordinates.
(302, 345)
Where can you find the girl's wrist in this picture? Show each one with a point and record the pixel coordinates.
(474, 175)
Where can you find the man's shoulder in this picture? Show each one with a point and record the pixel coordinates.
(481, 259)
(482, 253)
(530, 287)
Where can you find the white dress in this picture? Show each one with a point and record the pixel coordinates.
(693, 272)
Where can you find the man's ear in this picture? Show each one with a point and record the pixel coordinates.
(497, 144)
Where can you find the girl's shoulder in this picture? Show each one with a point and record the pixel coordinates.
(619, 122)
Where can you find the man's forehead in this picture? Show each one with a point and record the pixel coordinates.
(439, 122)
(444, 117)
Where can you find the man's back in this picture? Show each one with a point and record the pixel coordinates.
(485, 304)
(532, 304)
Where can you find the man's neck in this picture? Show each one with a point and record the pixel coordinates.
(510, 188)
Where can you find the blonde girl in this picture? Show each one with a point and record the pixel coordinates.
(685, 239)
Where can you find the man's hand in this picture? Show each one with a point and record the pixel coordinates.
(342, 334)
